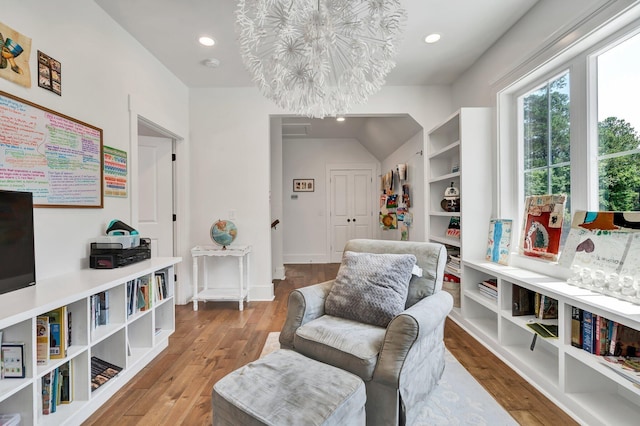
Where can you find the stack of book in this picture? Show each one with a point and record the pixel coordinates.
(57, 388)
(53, 335)
(139, 295)
(161, 290)
(453, 264)
(617, 344)
(489, 288)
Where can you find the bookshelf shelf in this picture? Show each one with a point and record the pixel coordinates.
(18, 312)
(488, 303)
(576, 380)
(459, 155)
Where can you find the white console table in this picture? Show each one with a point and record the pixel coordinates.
(239, 294)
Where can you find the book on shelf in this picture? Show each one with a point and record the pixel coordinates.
(545, 307)
(65, 386)
(99, 309)
(627, 367)
(491, 283)
(42, 340)
(103, 308)
(161, 285)
(587, 331)
(46, 393)
(522, 301)
(627, 341)
(452, 269)
(576, 322)
(101, 372)
(488, 290)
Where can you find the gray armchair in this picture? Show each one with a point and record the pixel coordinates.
(400, 364)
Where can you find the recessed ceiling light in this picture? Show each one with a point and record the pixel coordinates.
(340, 118)
(211, 63)
(432, 38)
(206, 41)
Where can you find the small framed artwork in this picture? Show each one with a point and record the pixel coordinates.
(303, 185)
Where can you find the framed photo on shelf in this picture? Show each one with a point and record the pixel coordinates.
(303, 185)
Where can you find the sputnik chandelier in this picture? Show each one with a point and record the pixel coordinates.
(317, 58)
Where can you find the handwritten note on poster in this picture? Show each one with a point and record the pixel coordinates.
(57, 158)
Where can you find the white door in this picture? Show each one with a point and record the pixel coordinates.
(350, 208)
(155, 193)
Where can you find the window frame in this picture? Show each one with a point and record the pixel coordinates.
(580, 60)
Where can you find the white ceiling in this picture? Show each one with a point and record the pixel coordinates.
(169, 29)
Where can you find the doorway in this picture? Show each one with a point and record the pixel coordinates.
(350, 206)
(156, 200)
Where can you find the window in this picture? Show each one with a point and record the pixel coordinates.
(545, 138)
(545, 135)
(618, 89)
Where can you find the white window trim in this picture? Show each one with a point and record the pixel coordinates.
(574, 50)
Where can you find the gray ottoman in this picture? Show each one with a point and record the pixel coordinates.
(286, 388)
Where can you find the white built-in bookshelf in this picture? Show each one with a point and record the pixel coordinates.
(459, 152)
(129, 339)
(576, 380)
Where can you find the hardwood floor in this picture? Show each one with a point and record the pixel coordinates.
(176, 387)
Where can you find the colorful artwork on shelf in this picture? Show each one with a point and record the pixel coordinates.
(584, 223)
(499, 244)
(543, 217)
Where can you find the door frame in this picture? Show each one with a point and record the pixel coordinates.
(374, 169)
(182, 289)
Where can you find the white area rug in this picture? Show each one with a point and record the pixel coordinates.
(458, 400)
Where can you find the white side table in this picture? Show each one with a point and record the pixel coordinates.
(238, 294)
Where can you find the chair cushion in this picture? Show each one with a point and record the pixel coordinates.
(370, 288)
(431, 257)
(350, 345)
(286, 388)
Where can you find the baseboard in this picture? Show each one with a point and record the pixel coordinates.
(279, 273)
(263, 293)
(305, 258)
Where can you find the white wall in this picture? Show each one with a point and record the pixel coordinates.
(545, 22)
(102, 67)
(411, 153)
(230, 167)
(305, 218)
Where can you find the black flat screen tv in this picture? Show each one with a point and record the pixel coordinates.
(17, 252)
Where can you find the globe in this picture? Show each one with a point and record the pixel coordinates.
(223, 232)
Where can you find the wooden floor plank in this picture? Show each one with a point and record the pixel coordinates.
(175, 388)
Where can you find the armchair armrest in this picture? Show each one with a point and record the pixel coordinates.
(305, 304)
(418, 325)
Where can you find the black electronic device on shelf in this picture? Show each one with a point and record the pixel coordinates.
(113, 255)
